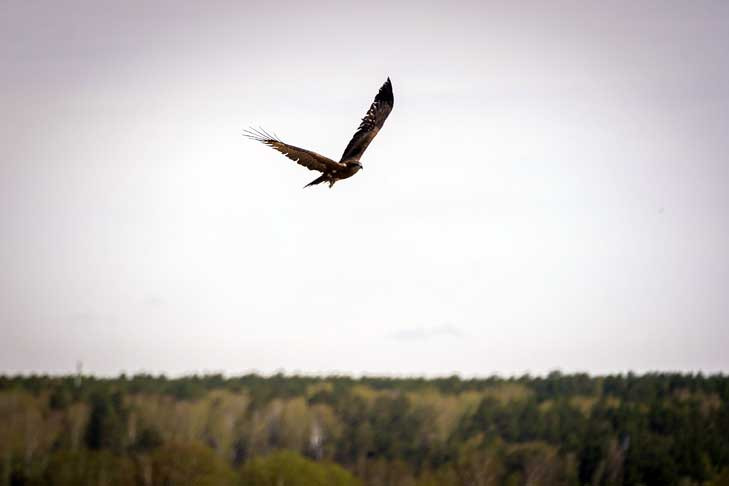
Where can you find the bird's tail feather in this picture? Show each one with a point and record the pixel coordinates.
(316, 181)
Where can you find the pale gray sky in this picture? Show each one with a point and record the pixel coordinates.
(550, 190)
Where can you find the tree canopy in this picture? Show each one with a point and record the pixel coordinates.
(559, 429)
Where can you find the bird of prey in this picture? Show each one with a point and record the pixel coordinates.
(349, 164)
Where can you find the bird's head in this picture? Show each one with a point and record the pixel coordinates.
(355, 164)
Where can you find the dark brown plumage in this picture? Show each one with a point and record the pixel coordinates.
(349, 164)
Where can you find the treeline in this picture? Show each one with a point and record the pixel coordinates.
(653, 429)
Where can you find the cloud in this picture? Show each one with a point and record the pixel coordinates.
(422, 333)
(153, 301)
(89, 318)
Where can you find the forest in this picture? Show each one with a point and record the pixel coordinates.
(288, 430)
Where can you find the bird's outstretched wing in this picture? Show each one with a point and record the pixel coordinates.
(307, 158)
(371, 123)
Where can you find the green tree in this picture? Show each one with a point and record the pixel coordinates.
(183, 464)
(107, 422)
(290, 469)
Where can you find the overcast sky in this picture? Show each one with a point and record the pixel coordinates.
(549, 192)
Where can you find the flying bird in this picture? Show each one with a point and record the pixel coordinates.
(349, 164)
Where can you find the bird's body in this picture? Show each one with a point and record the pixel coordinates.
(349, 163)
(349, 169)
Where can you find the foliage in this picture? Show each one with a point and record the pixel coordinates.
(291, 469)
(654, 429)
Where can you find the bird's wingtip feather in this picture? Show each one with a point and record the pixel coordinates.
(260, 135)
(385, 93)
